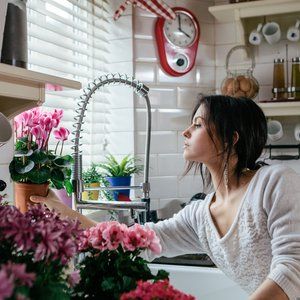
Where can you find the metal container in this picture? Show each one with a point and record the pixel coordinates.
(295, 81)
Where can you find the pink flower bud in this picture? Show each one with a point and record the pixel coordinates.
(61, 134)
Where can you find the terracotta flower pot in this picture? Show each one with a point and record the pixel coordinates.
(23, 191)
(91, 195)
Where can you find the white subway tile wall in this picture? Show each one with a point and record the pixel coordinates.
(206, 77)
(172, 100)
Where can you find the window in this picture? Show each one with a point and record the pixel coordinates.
(68, 38)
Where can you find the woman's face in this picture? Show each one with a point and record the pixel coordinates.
(198, 145)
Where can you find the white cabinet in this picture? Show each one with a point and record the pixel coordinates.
(281, 108)
(21, 89)
(246, 16)
(241, 13)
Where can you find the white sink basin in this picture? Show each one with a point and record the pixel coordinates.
(202, 282)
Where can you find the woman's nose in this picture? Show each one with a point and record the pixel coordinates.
(186, 133)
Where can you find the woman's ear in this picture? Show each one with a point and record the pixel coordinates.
(236, 137)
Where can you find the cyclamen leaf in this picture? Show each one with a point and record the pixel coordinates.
(61, 162)
(13, 173)
(39, 176)
(57, 175)
(21, 153)
(24, 168)
(39, 157)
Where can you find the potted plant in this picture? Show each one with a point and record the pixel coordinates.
(34, 165)
(111, 262)
(37, 248)
(92, 178)
(119, 174)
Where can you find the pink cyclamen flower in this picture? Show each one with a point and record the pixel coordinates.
(40, 135)
(46, 123)
(27, 118)
(57, 116)
(61, 134)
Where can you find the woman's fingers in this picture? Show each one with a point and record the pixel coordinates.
(38, 199)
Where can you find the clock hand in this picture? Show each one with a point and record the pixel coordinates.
(185, 33)
(179, 22)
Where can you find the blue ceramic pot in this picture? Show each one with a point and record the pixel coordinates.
(120, 181)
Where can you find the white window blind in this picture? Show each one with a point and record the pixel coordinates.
(68, 38)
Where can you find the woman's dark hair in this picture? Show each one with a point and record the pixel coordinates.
(227, 116)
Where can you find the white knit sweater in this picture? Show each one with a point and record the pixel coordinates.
(263, 241)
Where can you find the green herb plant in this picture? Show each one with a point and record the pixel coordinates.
(128, 165)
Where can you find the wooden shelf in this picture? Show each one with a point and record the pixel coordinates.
(239, 12)
(22, 89)
(281, 108)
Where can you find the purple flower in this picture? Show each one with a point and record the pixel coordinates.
(74, 278)
(6, 285)
(17, 272)
(12, 275)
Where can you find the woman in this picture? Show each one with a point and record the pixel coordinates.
(250, 225)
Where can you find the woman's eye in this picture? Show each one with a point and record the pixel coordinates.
(197, 125)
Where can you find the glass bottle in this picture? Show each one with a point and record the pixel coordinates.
(295, 82)
(14, 48)
(278, 90)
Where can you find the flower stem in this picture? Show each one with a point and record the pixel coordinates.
(56, 147)
(62, 146)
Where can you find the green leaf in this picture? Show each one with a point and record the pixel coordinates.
(51, 156)
(13, 173)
(68, 187)
(21, 153)
(162, 274)
(57, 184)
(62, 161)
(21, 144)
(57, 175)
(41, 175)
(39, 157)
(24, 168)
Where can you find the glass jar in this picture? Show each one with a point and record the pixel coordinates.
(279, 90)
(14, 48)
(295, 82)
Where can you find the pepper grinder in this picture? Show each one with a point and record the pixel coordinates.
(14, 48)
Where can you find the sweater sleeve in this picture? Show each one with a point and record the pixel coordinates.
(178, 235)
(282, 205)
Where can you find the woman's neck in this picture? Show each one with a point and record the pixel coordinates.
(227, 188)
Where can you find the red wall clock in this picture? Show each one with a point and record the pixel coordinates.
(177, 42)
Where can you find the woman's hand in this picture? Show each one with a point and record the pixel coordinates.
(51, 201)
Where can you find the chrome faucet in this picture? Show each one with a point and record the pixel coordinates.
(78, 184)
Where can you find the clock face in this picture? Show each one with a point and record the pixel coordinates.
(182, 31)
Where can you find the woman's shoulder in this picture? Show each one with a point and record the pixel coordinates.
(276, 171)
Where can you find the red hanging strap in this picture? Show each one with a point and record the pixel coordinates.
(157, 7)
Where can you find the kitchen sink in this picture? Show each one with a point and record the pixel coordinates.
(204, 283)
